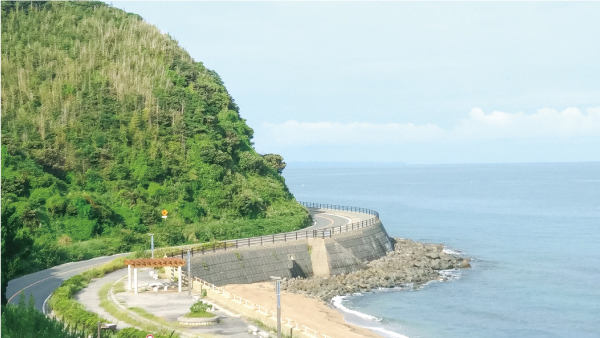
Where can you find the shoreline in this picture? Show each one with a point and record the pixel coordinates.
(344, 311)
(409, 263)
(361, 319)
(318, 301)
(317, 314)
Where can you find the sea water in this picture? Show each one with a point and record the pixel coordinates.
(533, 231)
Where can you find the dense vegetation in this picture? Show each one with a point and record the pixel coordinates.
(25, 321)
(105, 122)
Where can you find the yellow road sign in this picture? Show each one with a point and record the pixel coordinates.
(164, 212)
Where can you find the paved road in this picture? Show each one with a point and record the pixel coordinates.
(326, 218)
(42, 283)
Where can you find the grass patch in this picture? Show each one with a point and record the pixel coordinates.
(144, 313)
(266, 328)
(199, 315)
(119, 287)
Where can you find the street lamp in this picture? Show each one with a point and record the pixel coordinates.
(105, 326)
(152, 244)
(277, 281)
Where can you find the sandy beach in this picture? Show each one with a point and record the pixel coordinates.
(311, 312)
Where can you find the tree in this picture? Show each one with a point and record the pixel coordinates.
(275, 161)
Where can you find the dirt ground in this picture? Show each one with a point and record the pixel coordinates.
(311, 312)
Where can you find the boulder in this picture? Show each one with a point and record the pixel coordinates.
(409, 262)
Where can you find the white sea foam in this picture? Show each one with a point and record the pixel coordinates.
(452, 252)
(447, 275)
(451, 274)
(386, 332)
(337, 302)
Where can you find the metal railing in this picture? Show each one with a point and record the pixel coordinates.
(260, 309)
(286, 236)
(340, 207)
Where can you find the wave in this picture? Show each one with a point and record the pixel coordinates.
(445, 276)
(452, 251)
(451, 274)
(386, 332)
(337, 302)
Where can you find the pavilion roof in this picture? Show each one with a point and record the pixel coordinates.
(154, 262)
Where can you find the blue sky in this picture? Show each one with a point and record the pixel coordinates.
(413, 82)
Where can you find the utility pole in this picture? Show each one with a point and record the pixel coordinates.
(98, 329)
(277, 281)
(164, 214)
(278, 311)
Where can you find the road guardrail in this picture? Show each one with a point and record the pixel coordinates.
(201, 249)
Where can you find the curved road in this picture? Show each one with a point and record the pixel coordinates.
(41, 284)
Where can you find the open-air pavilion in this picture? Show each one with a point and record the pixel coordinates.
(151, 263)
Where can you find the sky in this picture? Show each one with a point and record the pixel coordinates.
(409, 82)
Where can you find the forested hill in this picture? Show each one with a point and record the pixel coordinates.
(105, 122)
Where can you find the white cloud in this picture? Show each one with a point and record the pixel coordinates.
(545, 124)
(304, 133)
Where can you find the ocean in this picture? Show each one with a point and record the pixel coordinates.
(532, 230)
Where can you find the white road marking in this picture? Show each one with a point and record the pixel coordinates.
(349, 220)
(58, 274)
(44, 305)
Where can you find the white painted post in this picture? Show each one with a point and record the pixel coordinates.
(129, 277)
(135, 284)
(189, 274)
(179, 277)
(278, 311)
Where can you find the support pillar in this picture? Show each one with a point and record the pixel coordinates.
(129, 277)
(135, 284)
(179, 277)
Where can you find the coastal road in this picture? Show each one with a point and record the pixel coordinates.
(326, 218)
(41, 284)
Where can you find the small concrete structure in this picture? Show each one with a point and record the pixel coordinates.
(150, 263)
(198, 321)
(252, 329)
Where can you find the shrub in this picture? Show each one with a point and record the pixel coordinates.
(200, 307)
(64, 240)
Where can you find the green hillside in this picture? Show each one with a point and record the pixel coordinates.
(105, 122)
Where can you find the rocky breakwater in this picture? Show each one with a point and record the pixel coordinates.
(410, 262)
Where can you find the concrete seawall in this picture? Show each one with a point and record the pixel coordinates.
(342, 253)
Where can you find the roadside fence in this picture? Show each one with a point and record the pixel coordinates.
(286, 236)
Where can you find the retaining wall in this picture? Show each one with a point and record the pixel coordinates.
(350, 251)
(346, 252)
